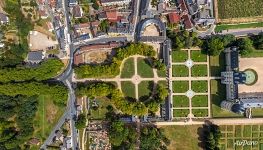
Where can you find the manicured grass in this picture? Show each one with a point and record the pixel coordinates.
(180, 112)
(219, 28)
(241, 132)
(128, 89)
(180, 86)
(218, 94)
(145, 89)
(200, 101)
(161, 74)
(199, 71)
(101, 110)
(200, 112)
(179, 56)
(217, 64)
(255, 53)
(180, 101)
(180, 71)
(183, 137)
(128, 68)
(237, 8)
(257, 112)
(198, 56)
(199, 86)
(144, 69)
(46, 117)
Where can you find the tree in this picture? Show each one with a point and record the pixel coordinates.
(215, 46)
(81, 121)
(104, 25)
(245, 46)
(210, 142)
(258, 41)
(118, 133)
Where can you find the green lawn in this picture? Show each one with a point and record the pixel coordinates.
(180, 101)
(198, 56)
(199, 86)
(144, 69)
(180, 112)
(257, 112)
(179, 56)
(255, 53)
(161, 74)
(199, 71)
(46, 117)
(180, 86)
(180, 71)
(218, 94)
(239, 133)
(200, 112)
(237, 26)
(99, 112)
(145, 89)
(128, 89)
(183, 137)
(217, 64)
(200, 101)
(128, 68)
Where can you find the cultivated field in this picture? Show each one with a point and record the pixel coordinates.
(242, 11)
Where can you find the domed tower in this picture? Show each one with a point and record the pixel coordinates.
(235, 107)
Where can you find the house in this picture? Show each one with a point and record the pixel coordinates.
(82, 31)
(72, 2)
(50, 26)
(112, 16)
(59, 136)
(52, 3)
(77, 11)
(187, 22)
(67, 143)
(174, 17)
(102, 16)
(35, 56)
(114, 2)
(43, 14)
(3, 18)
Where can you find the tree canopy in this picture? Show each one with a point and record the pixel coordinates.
(44, 71)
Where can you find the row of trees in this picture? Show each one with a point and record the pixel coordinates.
(44, 71)
(212, 136)
(184, 39)
(58, 92)
(113, 69)
(14, 134)
(94, 90)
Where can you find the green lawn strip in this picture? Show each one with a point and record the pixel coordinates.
(199, 71)
(46, 117)
(163, 82)
(180, 71)
(238, 131)
(144, 69)
(183, 137)
(218, 94)
(200, 101)
(99, 112)
(128, 68)
(247, 130)
(180, 112)
(230, 128)
(180, 101)
(161, 74)
(257, 112)
(128, 89)
(180, 86)
(200, 112)
(198, 56)
(145, 89)
(179, 56)
(199, 86)
(217, 64)
(230, 143)
(254, 53)
(237, 26)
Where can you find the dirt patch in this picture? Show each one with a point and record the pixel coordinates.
(241, 20)
(51, 113)
(257, 65)
(97, 56)
(151, 30)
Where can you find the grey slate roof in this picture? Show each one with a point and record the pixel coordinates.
(36, 56)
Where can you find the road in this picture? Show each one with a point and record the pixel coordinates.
(243, 32)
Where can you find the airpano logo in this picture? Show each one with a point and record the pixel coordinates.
(245, 143)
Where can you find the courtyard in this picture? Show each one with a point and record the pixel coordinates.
(190, 83)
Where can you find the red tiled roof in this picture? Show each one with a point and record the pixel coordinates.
(112, 16)
(183, 5)
(52, 3)
(187, 22)
(174, 17)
